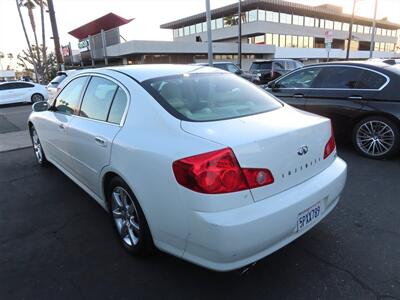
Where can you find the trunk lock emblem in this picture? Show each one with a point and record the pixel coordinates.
(302, 150)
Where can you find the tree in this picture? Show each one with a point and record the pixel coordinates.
(26, 61)
(26, 35)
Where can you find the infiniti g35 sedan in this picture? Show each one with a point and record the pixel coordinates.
(361, 99)
(195, 161)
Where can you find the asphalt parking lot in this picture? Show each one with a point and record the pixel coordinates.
(58, 243)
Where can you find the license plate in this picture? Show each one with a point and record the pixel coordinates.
(308, 216)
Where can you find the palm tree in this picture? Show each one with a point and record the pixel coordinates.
(26, 35)
(43, 4)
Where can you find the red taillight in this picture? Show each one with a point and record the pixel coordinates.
(330, 145)
(218, 172)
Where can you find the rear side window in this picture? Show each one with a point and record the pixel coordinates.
(301, 79)
(97, 99)
(118, 107)
(339, 77)
(261, 66)
(209, 97)
(67, 101)
(371, 80)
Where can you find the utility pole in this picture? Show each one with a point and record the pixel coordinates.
(350, 30)
(209, 37)
(372, 46)
(240, 34)
(55, 35)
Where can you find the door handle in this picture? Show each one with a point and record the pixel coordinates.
(100, 141)
(298, 96)
(61, 126)
(355, 97)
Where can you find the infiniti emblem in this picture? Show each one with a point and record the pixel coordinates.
(302, 150)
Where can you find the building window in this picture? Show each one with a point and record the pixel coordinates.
(272, 16)
(186, 30)
(288, 41)
(213, 25)
(204, 26)
(328, 24)
(384, 32)
(298, 20)
(180, 31)
(379, 31)
(199, 28)
(219, 23)
(176, 33)
(252, 15)
(275, 39)
(337, 26)
(310, 22)
(305, 43)
(192, 29)
(260, 39)
(282, 40)
(261, 15)
(285, 18)
(294, 41)
(367, 30)
(300, 42)
(268, 39)
(311, 42)
(346, 27)
(360, 29)
(321, 23)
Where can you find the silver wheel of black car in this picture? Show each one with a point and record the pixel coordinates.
(37, 147)
(376, 137)
(37, 98)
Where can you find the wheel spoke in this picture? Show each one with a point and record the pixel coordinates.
(117, 214)
(132, 236)
(117, 199)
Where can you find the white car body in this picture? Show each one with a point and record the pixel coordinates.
(21, 91)
(217, 231)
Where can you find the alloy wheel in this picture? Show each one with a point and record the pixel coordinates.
(37, 146)
(375, 138)
(125, 216)
(37, 98)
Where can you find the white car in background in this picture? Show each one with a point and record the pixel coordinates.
(21, 91)
(194, 160)
(53, 86)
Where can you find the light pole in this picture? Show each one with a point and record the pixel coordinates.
(350, 30)
(240, 34)
(372, 46)
(209, 37)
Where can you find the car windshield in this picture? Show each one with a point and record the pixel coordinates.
(57, 80)
(209, 97)
(261, 66)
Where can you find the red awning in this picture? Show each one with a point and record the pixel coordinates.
(105, 22)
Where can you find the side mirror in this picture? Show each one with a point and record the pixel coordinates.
(272, 85)
(40, 106)
(238, 72)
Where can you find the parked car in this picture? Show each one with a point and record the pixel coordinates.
(361, 99)
(233, 68)
(20, 91)
(52, 87)
(270, 69)
(200, 163)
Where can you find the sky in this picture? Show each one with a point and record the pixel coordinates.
(148, 14)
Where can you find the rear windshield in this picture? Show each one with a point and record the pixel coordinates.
(261, 66)
(209, 97)
(57, 80)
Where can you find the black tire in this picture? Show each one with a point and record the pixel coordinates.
(37, 148)
(37, 98)
(376, 137)
(144, 245)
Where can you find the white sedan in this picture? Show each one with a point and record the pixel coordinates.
(193, 160)
(20, 91)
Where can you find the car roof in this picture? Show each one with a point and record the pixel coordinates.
(272, 60)
(145, 72)
(366, 63)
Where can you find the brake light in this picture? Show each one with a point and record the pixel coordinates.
(218, 172)
(330, 145)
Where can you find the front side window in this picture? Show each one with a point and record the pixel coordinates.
(97, 99)
(300, 79)
(67, 101)
(209, 97)
(339, 78)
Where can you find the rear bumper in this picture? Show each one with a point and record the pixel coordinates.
(231, 239)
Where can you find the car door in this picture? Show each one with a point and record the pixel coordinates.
(9, 93)
(92, 132)
(24, 91)
(52, 126)
(294, 87)
(337, 94)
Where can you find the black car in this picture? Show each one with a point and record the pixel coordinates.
(268, 70)
(231, 67)
(361, 98)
